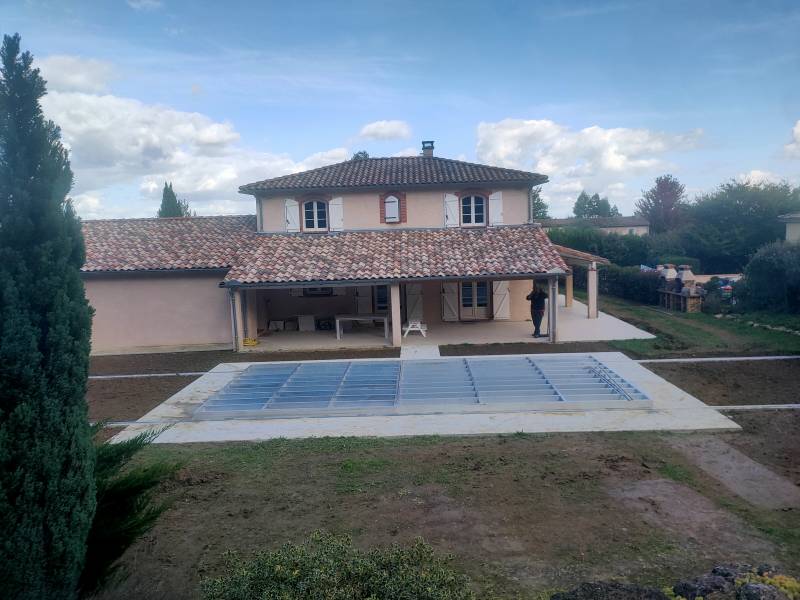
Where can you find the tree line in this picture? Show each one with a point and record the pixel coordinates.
(717, 232)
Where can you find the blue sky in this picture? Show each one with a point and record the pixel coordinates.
(602, 96)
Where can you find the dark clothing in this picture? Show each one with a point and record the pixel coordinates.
(537, 298)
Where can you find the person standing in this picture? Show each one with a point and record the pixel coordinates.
(537, 299)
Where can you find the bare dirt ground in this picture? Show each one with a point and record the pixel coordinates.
(523, 348)
(771, 438)
(735, 383)
(522, 514)
(192, 362)
(130, 399)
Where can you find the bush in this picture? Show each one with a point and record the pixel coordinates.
(623, 250)
(126, 507)
(624, 282)
(772, 279)
(680, 260)
(328, 566)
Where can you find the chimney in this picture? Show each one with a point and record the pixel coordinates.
(427, 148)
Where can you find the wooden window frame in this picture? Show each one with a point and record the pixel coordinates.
(484, 194)
(303, 227)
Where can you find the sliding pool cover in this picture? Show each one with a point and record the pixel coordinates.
(447, 385)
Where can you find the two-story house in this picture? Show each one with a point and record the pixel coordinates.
(373, 243)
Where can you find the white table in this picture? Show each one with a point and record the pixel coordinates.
(384, 318)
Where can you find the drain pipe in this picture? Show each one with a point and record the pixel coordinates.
(234, 329)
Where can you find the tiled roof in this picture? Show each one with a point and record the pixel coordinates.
(397, 254)
(577, 255)
(165, 244)
(633, 221)
(394, 172)
(231, 242)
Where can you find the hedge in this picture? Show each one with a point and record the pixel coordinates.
(625, 282)
(772, 279)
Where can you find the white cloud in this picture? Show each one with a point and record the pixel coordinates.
(410, 151)
(65, 73)
(595, 158)
(144, 4)
(758, 176)
(121, 143)
(793, 147)
(385, 130)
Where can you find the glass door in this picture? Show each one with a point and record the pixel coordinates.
(474, 300)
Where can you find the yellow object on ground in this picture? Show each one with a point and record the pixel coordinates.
(250, 342)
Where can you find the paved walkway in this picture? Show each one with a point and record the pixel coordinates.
(672, 409)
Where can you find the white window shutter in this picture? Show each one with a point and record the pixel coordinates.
(451, 210)
(391, 209)
(449, 301)
(292, 215)
(414, 302)
(496, 208)
(336, 214)
(500, 302)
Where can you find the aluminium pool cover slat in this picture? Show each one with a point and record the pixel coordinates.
(418, 386)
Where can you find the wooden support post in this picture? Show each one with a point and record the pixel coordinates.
(591, 290)
(397, 325)
(568, 290)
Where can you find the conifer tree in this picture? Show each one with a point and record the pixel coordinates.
(171, 206)
(47, 494)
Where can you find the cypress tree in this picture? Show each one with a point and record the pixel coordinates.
(171, 206)
(47, 493)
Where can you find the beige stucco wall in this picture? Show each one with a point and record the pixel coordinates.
(424, 209)
(139, 313)
(793, 232)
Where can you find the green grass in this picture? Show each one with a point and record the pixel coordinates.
(698, 334)
(676, 472)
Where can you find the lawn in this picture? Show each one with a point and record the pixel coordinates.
(699, 334)
(521, 514)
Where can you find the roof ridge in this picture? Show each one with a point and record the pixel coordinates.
(162, 219)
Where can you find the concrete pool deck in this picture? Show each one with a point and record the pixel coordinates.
(672, 410)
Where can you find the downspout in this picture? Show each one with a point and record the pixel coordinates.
(234, 329)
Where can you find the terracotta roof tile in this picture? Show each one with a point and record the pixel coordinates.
(397, 254)
(231, 241)
(401, 171)
(165, 244)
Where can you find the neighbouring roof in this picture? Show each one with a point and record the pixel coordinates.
(791, 217)
(401, 171)
(193, 243)
(633, 221)
(570, 254)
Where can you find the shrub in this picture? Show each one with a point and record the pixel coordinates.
(328, 566)
(623, 250)
(624, 282)
(772, 279)
(126, 507)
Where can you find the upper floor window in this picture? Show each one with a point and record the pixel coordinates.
(315, 215)
(391, 207)
(473, 210)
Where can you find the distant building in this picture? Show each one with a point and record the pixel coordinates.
(792, 221)
(621, 225)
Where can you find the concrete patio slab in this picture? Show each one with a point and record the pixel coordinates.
(672, 410)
